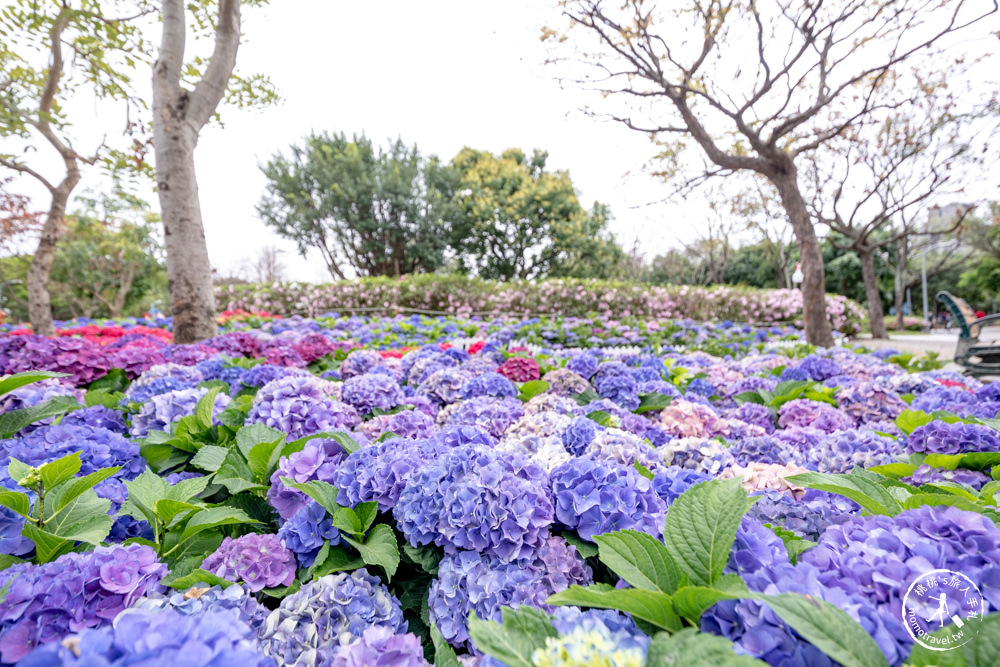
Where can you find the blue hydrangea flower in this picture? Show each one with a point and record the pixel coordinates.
(808, 516)
(765, 449)
(373, 391)
(477, 499)
(583, 364)
(579, 434)
(380, 646)
(595, 497)
(305, 533)
(318, 459)
(940, 437)
(840, 452)
(379, 472)
(202, 598)
(301, 406)
(492, 415)
(309, 626)
(489, 384)
(163, 410)
(669, 483)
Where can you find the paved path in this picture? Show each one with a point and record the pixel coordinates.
(941, 341)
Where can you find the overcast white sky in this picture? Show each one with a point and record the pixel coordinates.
(442, 74)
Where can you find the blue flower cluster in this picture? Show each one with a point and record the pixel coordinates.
(301, 406)
(840, 452)
(489, 384)
(379, 472)
(477, 499)
(594, 497)
(939, 437)
(163, 410)
(372, 391)
(307, 531)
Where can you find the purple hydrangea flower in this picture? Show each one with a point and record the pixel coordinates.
(756, 414)
(412, 424)
(819, 368)
(595, 497)
(301, 406)
(564, 382)
(765, 449)
(370, 392)
(202, 598)
(309, 627)
(46, 603)
(318, 459)
(842, 451)
(96, 416)
(940, 437)
(926, 474)
(380, 647)
(379, 472)
(489, 384)
(478, 499)
(808, 516)
(670, 483)
(305, 533)
(813, 414)
(583, 364)
(443, 386)
(490, 414)
(260, 560)
(165, 409)
(359, 362)
(578, 435)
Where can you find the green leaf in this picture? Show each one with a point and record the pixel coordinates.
(601, 417)
(283, 591)
(56, 472)
(584, 548)
(143, 493)
(18, 470)
(366, 513)
(641, 560)
(83, 519)
(212, 518)
(108, 399)
(894, 470)
(513, 642)
(252, 435)
(262, 456)
(910, 420)
(873, 497)
(205, 408)
(651, 606)
(196, 577)
(654, 401)
(15, 420)
(379, 548)
(162, 457)
(643, 470)
(749, 397)
(983, 650)
(18, 380)
(346, 442)
(691, 648)
(186, 489)
(235, 474)
(16, 501)
(701, 528)
(62, 495)
(116, 380)
(444, 654)
(323, 493)
(5, 562)
(210, 458)
(586, 396)
(828, 628)
(427, 557)
(48, 547)
(531, 389)
(338, 560)
(168, 508)
(690, 602)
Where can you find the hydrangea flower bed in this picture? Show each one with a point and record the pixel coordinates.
(405, 491)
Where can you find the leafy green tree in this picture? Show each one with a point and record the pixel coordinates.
(36, 83)
(512, 219)
(981, 282)
(110, 260)
(377, 211)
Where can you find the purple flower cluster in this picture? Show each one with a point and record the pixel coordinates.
(756, 414)
(492, 415)
(359, 362)
(477, 499)
(803, 412)
(564, 382)
(594, 497)
(318, 459)
(370, 392)
(301, 406)
(489, 384)
(925, 474)
(378, 646)
(808, 516)
(309, 626)
(260, 560)
(305, 533)
(583, 364)
(202, 598)
(379, 472)
(412, 424)
(163, 410)
(443, 386)
(163, 637)
(765, 449)
(939, 437)
(840, 452)
(48, 602)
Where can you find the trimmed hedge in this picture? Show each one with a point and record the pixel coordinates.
(456, 295)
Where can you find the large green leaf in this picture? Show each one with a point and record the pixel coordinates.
(19, 380)
(15, 420)
(322, 492)
(18, 470)
(874, 497)
(444, 654)
(186, 489)
(640, 559)
(56, 472)
(252, 435)
(909, 420)
(522, 632)
(16, 501)
(651, 606)
(828, 628)
(210, 457)
(212, 518)
(379, 548)
(108, 399)
(48, 547)
(63, 494)
(531, 389)
(168, 508)
(652, 402)
(690, 602)
(338, 560)
(196, 577)
(701, 527)
(84, 519)
(235, 474)
(205, 408)
(690, 648)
